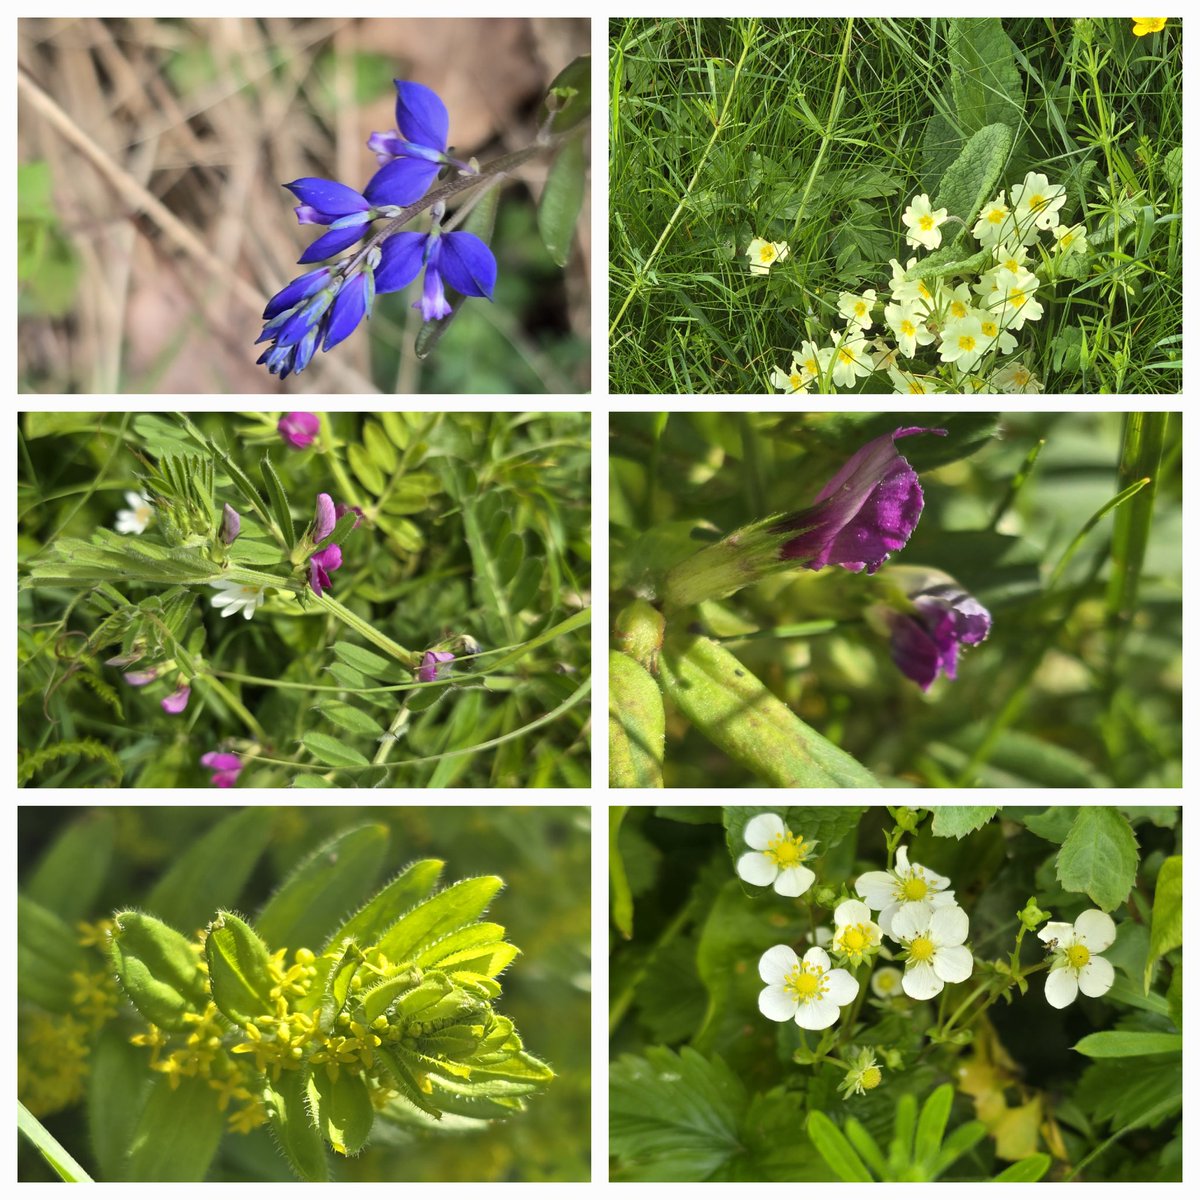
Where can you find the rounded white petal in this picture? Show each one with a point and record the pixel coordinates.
(941, 899)
(921, 982)
(842, 986)
(910, 920)
(949, 926)
(761, 829)
(774, 966)
(756, 867)
(902, 867)
(937, 883)
(877, 888)
(794, 881)
(953, 963)
(816, 957)
(817, 1014)
(1096, 977)
(1095, 929)
(1061, 988)
(135, 500)
(1056, 931)
(776, 1004)
(851, 912)
(885, 918)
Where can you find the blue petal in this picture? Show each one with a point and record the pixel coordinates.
(348, 310)
(296, 328)
(331, 243)
(304, 351)
(402, 256)
(468, 264)
(327, 196)
(400, 182)
(297, 290)
(421, 116)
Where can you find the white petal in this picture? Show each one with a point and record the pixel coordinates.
(953, 963)
(885, 919)
(776, 1005)
(937, 883)
(921, 982)
(794, 881)
(761, 829)
(1056, 931)
(756, 867)
(134, 500)
(902, 867)
(949, 926)
(1061, 988)
(940, 899)
(910, 920)
(851, 912)
(843, 987)
(774, 966)
(817, 1014)
(877, 888)
(816, 957)
(1095, 929)
(1096, 977)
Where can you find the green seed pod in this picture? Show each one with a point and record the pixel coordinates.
(737, 712)
(636, 725)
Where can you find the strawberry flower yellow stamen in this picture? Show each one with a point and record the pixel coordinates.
(1077, 965)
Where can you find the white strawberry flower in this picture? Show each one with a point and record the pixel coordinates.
(776, 856)
(887, 892)
(933, 938)
(804, 990)
(1077, 965)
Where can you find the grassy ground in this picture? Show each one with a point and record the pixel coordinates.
(820, 132)
(154, 224)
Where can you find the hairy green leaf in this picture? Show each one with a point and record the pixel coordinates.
(177, 1134)
(294, 1128)
(636, 724)
(158, 968)
(1166, 923)
(341, 1108)
(238, 970)
(383, 910)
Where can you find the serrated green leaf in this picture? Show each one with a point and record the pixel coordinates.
(366, 662)
(342, 1109)
(449, 910)
(1166, 922)
(562, 200)
(212, 870)
(957, 821)
(311, 901)
(333, 753)
(1099, 857)
(158, 968)
(1120, 1043)
(238, 970)
(295, 1132)
(69, 875)
(177, 1133)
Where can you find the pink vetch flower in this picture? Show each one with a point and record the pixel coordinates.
(319, 566)
(340, 510)
(231, 525)
(432, 666)
(863, 514)
(225, 767)
(141, 678)
(325, 518)
(177, 701)
(299, 429)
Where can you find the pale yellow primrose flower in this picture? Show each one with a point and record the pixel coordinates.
(907, 323)
(923, 221)
(963, 343)
(851, 359)
(857, 309)
(764, 255)
(992, 220)
(1015, 378)
(1039, 199)
(904, 289)
(912, 385)
(1070, 239)
(1012, 302)
(791, 381)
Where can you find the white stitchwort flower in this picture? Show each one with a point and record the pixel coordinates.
(1078, 966)
(764, 255)
(137, 516)
(776, 856)
(922, 221)
(934, 940)
(855, 934)
(887, 892)
(232, 596)
(803, 990)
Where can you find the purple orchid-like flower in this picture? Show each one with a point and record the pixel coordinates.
(225, 767)
(411, 154)
(231, 525)
(299, 429)
(177, 701)
(433, 665)
(866, 512)
(460, 259)
(319, 566)
(926, 641)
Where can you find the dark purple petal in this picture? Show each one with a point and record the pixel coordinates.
(340, 510)
(325, 519)
(348, 310)
(297, 290)
(864, 513)
(319, 566)
(402, 181)
(331, 243)
(468, 264)
(400, 263)
(327, 196)
(421, 116)
(177, 701)
(299, 429)
(927, 643)
(431, 668)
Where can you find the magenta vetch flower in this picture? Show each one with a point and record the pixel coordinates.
(432, 666)
(177, 701)
(926, 642)
(325, 519)
(299, 429)
(225, 767)
(319, 566)
(863, 514)
(231, 526)
(141, 678)
(340, 510)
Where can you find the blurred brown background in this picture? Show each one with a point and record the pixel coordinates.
(158, 226)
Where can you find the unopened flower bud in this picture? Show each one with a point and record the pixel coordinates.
(231, 526)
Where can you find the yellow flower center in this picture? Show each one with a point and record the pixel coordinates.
(916, 387)
(860, 308)
(926, 294)
(915, 887)
(921, 949)
(1038, 201)
(812, 366)
(997, 215)
(767, 253)
(1016, 297)
(958, 308)
(855, 938)
(871, 1078)
(908, 328)
(846, 357)
(926, 222)
(794, 379)
(1021, 376)
(990, 329)
(1078, 956)
(786, 850)
(1012, 265)
(966, 343)
(805, 984)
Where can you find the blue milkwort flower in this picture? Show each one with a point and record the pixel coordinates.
(460, 259)
(411, 155)
(324, 202)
